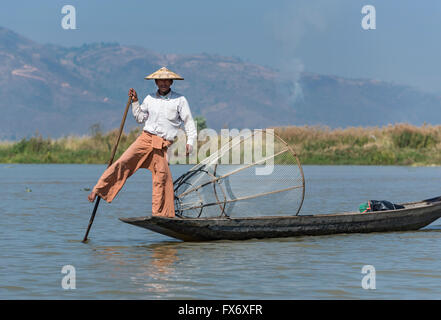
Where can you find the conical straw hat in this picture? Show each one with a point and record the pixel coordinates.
(164, 73)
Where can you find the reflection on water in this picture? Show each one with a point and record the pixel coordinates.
(152, 266)
(41, 233)
(157, 272)
(163, 260)
(162, 263)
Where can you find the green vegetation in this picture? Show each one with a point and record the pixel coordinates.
(201, 123)
(87, 149)
(400, 144)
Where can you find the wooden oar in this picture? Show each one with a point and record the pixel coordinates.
(110, 163)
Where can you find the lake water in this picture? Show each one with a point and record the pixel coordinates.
(45, 213)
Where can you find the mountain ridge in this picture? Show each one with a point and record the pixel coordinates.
(64, 90)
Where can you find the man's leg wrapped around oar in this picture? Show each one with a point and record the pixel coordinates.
(148, 151)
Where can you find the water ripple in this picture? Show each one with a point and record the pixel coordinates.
(43, 233)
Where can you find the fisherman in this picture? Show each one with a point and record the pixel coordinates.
(162, 113)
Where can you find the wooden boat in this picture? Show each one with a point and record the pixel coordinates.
(414, 216)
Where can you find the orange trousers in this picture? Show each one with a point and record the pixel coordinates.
(148, 151)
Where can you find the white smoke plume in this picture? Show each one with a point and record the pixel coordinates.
(290, 23)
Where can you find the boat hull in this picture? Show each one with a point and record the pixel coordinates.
(413, 217)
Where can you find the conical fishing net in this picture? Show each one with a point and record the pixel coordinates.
(248, 175)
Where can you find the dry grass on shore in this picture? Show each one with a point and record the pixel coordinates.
(400, 144)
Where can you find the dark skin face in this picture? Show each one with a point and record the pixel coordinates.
(163, 86)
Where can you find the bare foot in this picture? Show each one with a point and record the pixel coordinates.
(91, 197)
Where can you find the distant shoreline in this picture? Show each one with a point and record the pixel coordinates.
(400, 144)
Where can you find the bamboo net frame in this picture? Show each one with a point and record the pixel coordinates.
(189, 185)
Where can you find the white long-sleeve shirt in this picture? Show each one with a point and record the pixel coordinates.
(163, 115)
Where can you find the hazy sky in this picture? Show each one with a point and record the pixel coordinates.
(323, 36)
